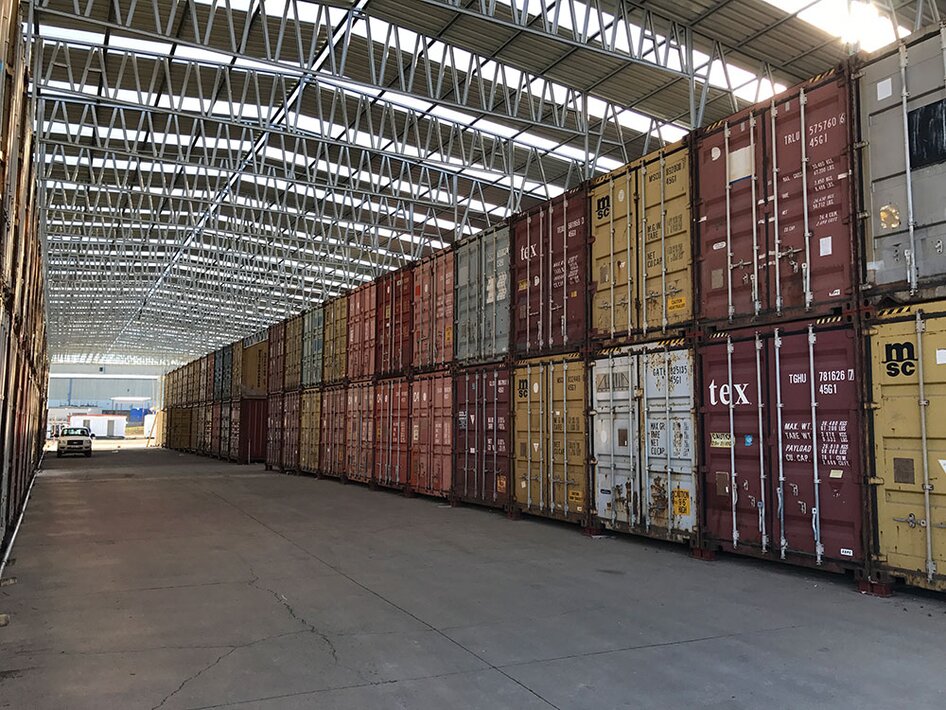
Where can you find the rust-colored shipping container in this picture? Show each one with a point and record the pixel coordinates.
(335, 344)
(550, 446)
(215, 429)
(255, 366)
(274, 431)
(431, 452)
(310, 426)
(277, 358)
(362, 324)
(641, 247)
(236, 375)
(782, 443)
(290, 430)
(483, 435)
(392, 432)
(359, 444)
(254, 430)
(551, 276)
(433, 311)
(293, 353)
(394, 332)
(332, 438)
(776, 208)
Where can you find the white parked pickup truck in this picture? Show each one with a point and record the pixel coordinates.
(74, 440)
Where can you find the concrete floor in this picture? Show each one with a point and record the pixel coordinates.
(150, 579)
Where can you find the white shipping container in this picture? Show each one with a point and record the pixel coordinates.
(644, 440)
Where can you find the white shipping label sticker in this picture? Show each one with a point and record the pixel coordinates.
(847, 552)
(836, 473)
(824, 246)
(884, 88)
(941, 356)
(740, 164)
(942, 464)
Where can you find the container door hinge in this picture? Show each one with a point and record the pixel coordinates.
(861, 144)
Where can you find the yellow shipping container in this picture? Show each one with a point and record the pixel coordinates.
(641, 250)
(335, 352)
(255, 368)
(180, 428)
(550, 447)
(310, 428)
(908, 360)
(293, 376)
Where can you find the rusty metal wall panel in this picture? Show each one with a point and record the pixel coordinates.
(433, 311)
(431, 458)
(290, 427)
(901, 128)
(394, 330)
(550, 448)
(276, 366)
(482, 296)
(644, 433)
(908, 366)
(782, 443)
(335, 348)
(777, 213)
(392, 432)
(483, 435)
(274, 431)
(313, 323)
(359, 443)
(551, 276)
(362, 326)
(333, 436)
(310, 426)
(293, 353)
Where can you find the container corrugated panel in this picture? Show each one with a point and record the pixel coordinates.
(312, 325)
(776, 238)
(276, 366)
(644, 440)
(202, 379)
(233, 433)
(431, 451)
(335, 347)
(227, 379)
(483, 435)
(293, 350)
(782, 443)
(274, 431)
(550, 276)
(393, 432)
(482, 296)
(226, 410)
(550, 448)
(362, 325)
(254, 430)
(215, 429)
(236, 370)
(903, 163)
(310, 426)
(197, 427)
(433, 311)
(290, 428)
(255, 369)
(641, 249)
(218, 375)
(179, 428)
(359, 445)
(394, 330)
(209, 384)
(206, 436)
(332, 460)
(908, 364)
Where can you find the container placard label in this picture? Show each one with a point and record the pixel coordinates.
(677, 303)
(681, 502)
(721, 440)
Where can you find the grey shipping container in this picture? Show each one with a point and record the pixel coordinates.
(482, 296)
(644, 440)
(312, 323)
(902, 114)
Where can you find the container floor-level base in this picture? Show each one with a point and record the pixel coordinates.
(593, 529)
(513, 512)
(706, 554)
(481, 502)
(875, 587)
(408, 492)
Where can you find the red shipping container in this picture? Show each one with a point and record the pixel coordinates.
(253, 431)
(394, 334)
(215, 429)
(274, 431)
(482, 468)
(362, 326)
(433, 310)
(359, 446)
(431, 452)
(333, 436)
(551, 275)
(776, 207)
(782, 443)
(392, 432)
(277, 357)
(290, 430)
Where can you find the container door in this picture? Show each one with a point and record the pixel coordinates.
(442, 434)
(668, 436)
(469, 386)
(531, 458)
(909, 376)
(734, 453)
(468, 290)
(617, 468)
(568, 449)
(495, 261)
(614, 254)
(816, 440)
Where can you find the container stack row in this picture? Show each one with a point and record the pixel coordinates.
(24, 363)
(734, 342)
